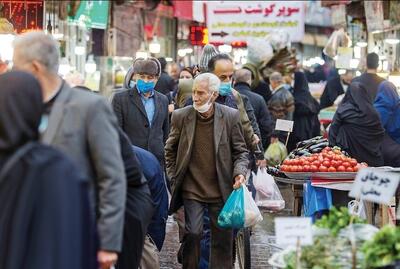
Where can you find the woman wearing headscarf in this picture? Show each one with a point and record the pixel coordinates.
(387, 103)
(305, 117)
(44, 208)
(185, 85)
(356, 126)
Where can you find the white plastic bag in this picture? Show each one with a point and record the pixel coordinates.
(251, 212)
(259, 51)
(268, 195)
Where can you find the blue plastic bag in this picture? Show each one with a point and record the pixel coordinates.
(232, 214)
(316, 199)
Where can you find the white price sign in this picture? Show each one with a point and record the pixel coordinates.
(284, 125)
(375, 186)
(292, 230)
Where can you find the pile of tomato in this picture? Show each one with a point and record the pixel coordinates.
(328, 160)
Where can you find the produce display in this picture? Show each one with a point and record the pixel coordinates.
(334, 241)
(383, 249)
(337, 219)
(327, 160)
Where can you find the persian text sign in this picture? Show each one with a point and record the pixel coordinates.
(291, 230)
(229, 21)
(284, 125)
(375, 186)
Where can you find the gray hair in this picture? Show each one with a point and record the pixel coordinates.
(276, 76)
(37, 46)
(212, 80)
(243, 75)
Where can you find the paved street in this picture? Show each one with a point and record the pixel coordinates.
(260, 249)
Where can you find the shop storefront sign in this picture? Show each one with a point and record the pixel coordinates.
(375, 186)
(92, 14)
(230, 21)
(374, 15)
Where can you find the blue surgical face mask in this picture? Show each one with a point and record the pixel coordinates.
(225, 88)
(145, 87)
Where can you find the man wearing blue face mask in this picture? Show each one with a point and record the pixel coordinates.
(142, 112)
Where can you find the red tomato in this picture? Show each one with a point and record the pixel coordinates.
(306, 162)
(355, 168)
(341, 168)
(353, 162)
(349, 169)
(337, 158)
(339, 162)
(306, 168)
(286, 162)
(283, 168)
(328, 148)
(299, 168)
(331, 169)
(313, 168)
(323, 168)
(316, 163)
(326, 163)
(346, 164)
(294, 168)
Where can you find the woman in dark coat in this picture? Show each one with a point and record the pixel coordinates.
(306, 123)
(44, 208)
(356, 126)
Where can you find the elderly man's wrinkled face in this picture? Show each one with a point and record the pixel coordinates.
(224, 70)
(201, 94)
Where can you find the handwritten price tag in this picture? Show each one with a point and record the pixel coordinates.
(290, 230)
(284, 125)
(375, 186)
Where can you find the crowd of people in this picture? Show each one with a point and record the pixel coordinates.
(88, 183)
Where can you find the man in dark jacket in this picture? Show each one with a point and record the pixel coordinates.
(370, 80)
(165, 83)
(142, 112)
(242, 84)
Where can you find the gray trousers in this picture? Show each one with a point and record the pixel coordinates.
(221, 239)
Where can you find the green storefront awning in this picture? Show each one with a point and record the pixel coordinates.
(93, 14)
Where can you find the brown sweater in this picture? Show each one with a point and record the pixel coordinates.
(201, 180)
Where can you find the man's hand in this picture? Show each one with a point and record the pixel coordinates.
(239, 179)
(256, 139)
(261, 163)
(171, 108)
(106, 259)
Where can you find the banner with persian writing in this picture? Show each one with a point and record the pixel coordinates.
(230, 21)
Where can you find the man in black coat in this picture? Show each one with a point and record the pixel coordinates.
(142, 112)
(165, 83)
(370, 80)
(242, 84)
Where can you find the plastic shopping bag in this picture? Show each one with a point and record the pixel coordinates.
(275, 153)
(268, 195)
(240, 210)
(316, 199)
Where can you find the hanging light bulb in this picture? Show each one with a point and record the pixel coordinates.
(90, 66)
(155, 46)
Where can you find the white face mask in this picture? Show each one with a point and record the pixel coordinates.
(203, 108)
